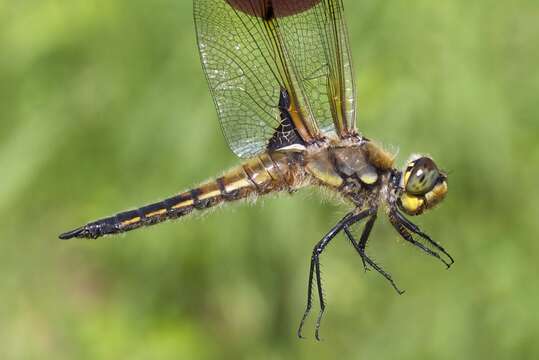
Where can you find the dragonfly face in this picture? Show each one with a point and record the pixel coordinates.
(424, 186)
(280, 74)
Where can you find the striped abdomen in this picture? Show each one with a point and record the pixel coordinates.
(261, 175)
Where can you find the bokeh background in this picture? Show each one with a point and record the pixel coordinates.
(104, 106)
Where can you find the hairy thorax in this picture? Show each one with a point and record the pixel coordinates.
(355, 169)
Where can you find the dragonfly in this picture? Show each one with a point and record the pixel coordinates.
(281, 77)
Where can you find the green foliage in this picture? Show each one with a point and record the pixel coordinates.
(103, 106)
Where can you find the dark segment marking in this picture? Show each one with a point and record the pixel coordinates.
(221, 184)
(170, 202)
(286, 133)
(197, 203)
(151, 213)
(107, 221)
(182, 198)
(170, 208)
(227, 196)
(114, 224)
(152, 208)
(178, 212)
(128, 215)
(248, 172)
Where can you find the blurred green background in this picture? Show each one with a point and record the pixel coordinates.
(104, 106)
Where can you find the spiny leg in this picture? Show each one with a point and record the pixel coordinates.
(364, 238)
(416, 230)
(405, 234)
(309, 300)
(349, 219)
(315, 268)
(320, 298)
(360, 248)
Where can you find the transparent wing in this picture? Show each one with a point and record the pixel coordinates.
(252, 49)
(317, 40)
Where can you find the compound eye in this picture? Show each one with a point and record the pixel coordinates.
(421, 175)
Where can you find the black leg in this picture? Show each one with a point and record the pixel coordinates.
(405, 234)
(416, 230)
(364, 238)
(360, 248)
(346, 221)
(320, 298)
(309, 300)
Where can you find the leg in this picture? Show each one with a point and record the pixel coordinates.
(364, 238)
(360, 248)
(349, 219)
(416, 230)
(405, 234)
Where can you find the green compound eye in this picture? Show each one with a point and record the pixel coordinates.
(421, 175)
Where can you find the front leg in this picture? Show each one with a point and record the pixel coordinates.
(404, 228)
(416, 230)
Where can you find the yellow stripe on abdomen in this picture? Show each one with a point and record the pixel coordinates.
(256, 176)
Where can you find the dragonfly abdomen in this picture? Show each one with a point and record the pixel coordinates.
(257, 176)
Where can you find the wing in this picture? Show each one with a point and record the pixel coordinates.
(318, 43)
(252, 50)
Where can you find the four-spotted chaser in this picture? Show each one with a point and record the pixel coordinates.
(280, 73)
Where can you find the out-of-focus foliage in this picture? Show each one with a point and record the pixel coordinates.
(103, 106)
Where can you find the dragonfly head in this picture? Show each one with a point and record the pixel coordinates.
(423, 186)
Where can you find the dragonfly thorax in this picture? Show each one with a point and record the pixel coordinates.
(358, 169)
